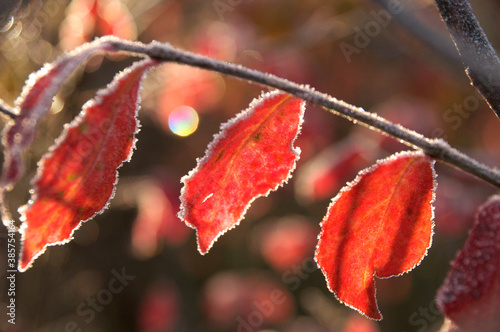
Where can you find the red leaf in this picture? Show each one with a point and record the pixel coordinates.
(378, 225)
(35, 101)
(252, 155)
(470, 295)
(76, 179)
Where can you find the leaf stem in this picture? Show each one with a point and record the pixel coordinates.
(481, 62)
(435, 148)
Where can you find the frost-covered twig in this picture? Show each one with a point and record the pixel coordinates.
(436, 148)
(479, 57)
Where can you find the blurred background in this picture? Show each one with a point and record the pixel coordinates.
(136, 267)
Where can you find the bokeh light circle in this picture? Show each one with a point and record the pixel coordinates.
(183, 121)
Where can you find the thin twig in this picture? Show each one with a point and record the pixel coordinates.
(479, 57)
(7, 110)
(436, 148)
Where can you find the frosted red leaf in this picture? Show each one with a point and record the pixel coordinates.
(470, 295)
(252, 155)
(76, 178)
(35, 101)
(379, 225)
(32, 105)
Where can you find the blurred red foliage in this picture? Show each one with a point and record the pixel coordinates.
(159, 309)
(88, 18)
(254, 299)
(286, 242)
(158, 205)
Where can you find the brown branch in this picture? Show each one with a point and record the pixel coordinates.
(436, 148)
(481, 62)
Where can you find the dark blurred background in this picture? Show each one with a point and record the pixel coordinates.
(260, 276)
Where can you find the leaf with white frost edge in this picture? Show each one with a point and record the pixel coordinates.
(252, 155)
(77, 177)
(33, 104)
(381, 224)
